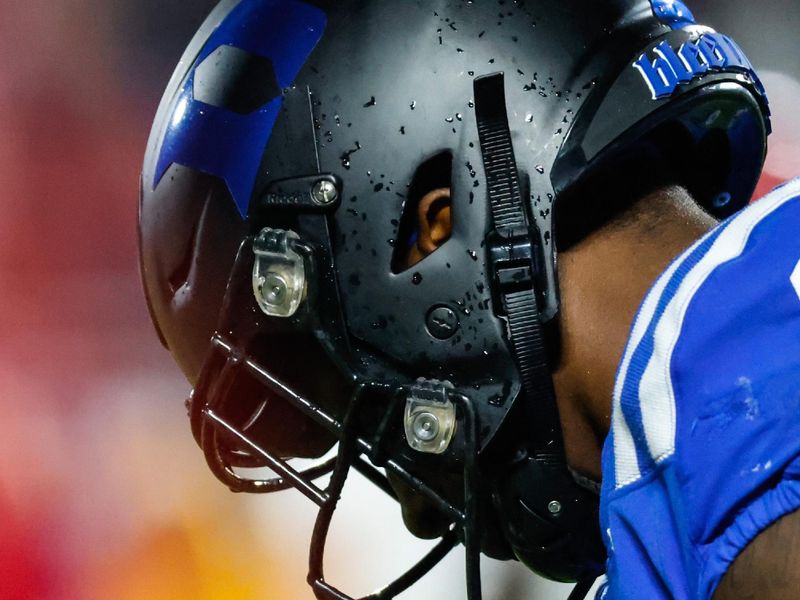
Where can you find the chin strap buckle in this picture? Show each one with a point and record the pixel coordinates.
(512, 259)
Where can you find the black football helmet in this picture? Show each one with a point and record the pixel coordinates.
(278, 198)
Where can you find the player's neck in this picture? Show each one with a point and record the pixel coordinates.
(603, 281)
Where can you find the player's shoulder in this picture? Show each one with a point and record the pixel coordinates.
(705, 415)
(695, 317)
(765, 220)
(761, 231)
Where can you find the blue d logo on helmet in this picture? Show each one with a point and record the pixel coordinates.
(216, 133)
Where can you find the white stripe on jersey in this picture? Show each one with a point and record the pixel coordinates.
(655, 391)
(626, 466)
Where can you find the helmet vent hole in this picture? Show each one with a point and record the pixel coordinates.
(422, 232)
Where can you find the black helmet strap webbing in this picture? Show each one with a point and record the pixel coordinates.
(502, 178)
(513, 261)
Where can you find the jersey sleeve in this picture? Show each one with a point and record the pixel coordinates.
(704, 450)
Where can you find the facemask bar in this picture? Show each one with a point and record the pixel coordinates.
(218, 389)
(211, 395)
(348, 452)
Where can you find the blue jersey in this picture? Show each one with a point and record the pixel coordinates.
(704, 448)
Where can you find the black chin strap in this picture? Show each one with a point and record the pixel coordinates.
(513, 260)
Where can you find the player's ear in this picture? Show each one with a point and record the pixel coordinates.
(434, 220)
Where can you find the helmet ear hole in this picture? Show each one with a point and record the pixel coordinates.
(433, 174)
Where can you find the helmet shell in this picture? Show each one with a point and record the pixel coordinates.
(374, 92)
(391, 87)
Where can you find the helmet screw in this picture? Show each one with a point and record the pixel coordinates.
(273, 289)
(324, 192)
(554, 506)
(442, 322)
(425, 426)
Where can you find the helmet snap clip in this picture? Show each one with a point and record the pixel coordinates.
(279, 275)
(430, 416)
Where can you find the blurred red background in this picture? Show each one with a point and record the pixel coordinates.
(103, 494)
